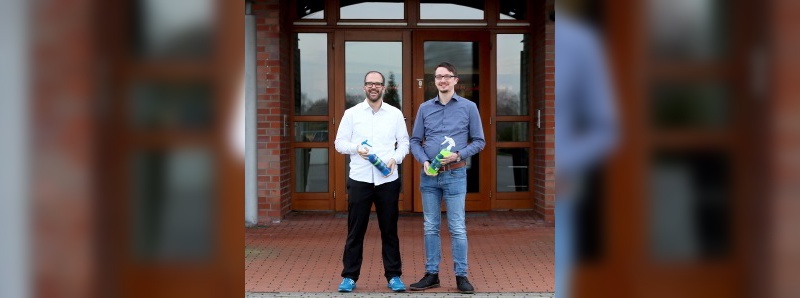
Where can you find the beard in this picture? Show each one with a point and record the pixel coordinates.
(372, 96)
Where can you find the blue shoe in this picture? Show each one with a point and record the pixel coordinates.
(347, 285)
(396, 284)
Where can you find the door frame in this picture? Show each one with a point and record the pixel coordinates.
(339, 81)
(480, 201)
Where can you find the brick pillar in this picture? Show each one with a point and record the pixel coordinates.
(63, 152)
(544, 100)
(783, 145)
(273, 101)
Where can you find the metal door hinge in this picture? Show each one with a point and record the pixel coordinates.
(334, 194)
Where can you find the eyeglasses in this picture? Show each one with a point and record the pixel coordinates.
(373, 84)
(446, 77)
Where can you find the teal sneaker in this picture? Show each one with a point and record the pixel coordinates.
(396, 284)
(347, 285)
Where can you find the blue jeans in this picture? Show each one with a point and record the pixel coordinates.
(450, 186)
(565, 213)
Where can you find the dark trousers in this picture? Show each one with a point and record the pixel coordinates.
(361, 197)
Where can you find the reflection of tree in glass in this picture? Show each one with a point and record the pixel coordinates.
(314, 132)
(508, 103)
(391, 96)
(352, 100)
(505, 132)
(315, 107)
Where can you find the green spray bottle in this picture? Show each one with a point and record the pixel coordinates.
(436, 164)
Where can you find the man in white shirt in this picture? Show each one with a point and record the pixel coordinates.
(384, 129)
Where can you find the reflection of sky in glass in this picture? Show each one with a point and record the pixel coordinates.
(361, 57)
(685, 28)
(462, 54)
(433, 11)
(512, 96)
(373, 10)
(509, 47)
(313, 64)
(165, 22)
(458, 53)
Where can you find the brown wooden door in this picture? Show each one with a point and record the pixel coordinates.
(469, 52)
(356, 53)
(678, 194)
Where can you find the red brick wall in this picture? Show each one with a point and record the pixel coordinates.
(62, 208)
(782, 147)
(273, 100)
(544, 97)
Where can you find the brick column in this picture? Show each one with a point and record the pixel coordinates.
(273, 101)
(62, 147)
(544, 100)
(783, 144)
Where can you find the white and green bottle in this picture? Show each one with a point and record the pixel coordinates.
(436, 164)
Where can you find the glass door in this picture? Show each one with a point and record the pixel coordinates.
(468, 51)
(312, 141)
(363, 51)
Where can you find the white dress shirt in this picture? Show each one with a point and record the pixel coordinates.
(382, 130)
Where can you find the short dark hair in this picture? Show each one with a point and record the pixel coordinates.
(448, 66)
(383, 79)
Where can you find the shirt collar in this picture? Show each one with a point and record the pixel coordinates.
(455, 96)
(365, 105)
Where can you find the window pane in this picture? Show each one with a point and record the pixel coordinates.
(464, 56)
(310, 9)
(161, 106)
(512, 170)
(372, 9)
(696, 105)
(311, 170)
(512, 74)
(689, 206)
(172, 210)
(512, 131)
(451, 10)
(311, 77)
(173, 29)
(361, 57)
(688, 29)
(513, 10)
(311, 131)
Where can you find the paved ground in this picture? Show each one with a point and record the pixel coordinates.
(510, 255)
(408, 294)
